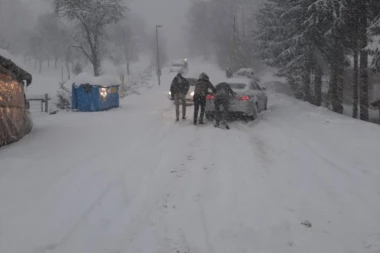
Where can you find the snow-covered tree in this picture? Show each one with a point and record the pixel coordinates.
(302, 36)
(224, 28)
(125, 41)
(55, 37)
(91, 18)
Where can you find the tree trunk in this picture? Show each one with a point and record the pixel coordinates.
(96, 66)
(68, 70)
(340, 83)
(306, 83)
(364, 99)
(355, 87)
(95, 55)
(337, 76)
(318, 85)
(40, 68)
(128, 68)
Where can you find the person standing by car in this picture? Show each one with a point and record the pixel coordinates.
(200, 92)
(179, 88)
(223, 93)
(229, 73)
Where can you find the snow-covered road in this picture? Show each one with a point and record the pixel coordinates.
(132, 181)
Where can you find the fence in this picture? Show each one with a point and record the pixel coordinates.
(39, 103)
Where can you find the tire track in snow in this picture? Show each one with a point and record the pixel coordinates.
(113, 180)
(149, 203)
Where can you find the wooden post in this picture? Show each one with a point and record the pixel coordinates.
(46, 102)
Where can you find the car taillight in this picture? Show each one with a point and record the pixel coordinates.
(244, 98)
(210, 97)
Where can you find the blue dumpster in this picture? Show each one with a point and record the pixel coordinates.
(93, 98)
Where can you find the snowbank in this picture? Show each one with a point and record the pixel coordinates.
(104, 80)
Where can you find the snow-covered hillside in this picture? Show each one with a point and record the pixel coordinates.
(131, 180)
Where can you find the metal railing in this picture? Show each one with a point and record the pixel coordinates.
(42, 100)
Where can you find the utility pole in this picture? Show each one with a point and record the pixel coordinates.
(158, 56)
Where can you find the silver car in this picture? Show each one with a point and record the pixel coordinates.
(250, 100)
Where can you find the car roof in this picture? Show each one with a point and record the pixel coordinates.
(244, 80)
(245, 70)
(179, 61)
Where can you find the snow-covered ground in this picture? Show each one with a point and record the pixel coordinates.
(130, 180)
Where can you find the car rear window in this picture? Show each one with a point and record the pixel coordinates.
(177, 65)
(238, 86)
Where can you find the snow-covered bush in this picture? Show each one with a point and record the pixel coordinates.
(64, 97)
(137, 81)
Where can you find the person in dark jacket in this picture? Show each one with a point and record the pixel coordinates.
(200, 93)
(229, 73)
(179, 88)
(223, 95)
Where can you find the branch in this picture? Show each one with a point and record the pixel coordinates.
(83, 50)
(5, 45)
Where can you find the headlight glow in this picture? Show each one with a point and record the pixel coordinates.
(192, 94)
(170, 92)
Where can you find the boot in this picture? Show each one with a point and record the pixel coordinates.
(195, 122)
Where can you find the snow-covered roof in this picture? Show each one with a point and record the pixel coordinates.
(181, 61)
(85, 78)
(8, 61)
(4, 53)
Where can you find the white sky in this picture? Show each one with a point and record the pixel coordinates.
(171, 14)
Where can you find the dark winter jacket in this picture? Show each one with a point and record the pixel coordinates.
(202, 86)
(223, 91)
(180, 85)
(229, 73)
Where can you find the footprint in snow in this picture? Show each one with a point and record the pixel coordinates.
(306, 223)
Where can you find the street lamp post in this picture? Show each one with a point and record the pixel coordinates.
(158, 56)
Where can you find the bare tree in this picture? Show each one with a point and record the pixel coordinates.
(125, 44)
(55, 35)
(4, 44)
(91, 17)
